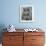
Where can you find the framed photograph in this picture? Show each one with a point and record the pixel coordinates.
(26, 13)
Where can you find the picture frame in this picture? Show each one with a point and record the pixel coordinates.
(26, 13)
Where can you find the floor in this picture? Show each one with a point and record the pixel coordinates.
(0, 44)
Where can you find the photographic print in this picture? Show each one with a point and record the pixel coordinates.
(26, 13)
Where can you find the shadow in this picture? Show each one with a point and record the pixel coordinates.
(2, 26)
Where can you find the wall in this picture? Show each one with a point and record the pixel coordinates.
(10, 13)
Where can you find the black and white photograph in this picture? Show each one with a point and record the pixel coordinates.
(26, 13)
